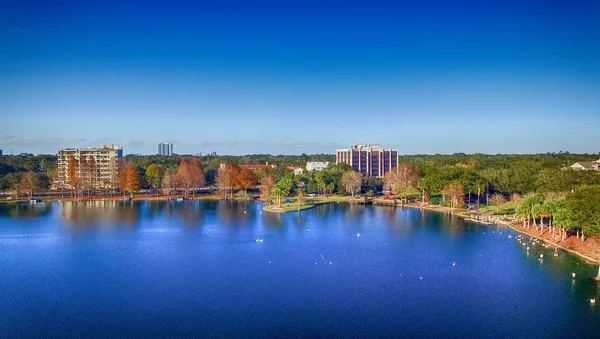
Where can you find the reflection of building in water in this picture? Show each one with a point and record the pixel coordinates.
(100, 212)
(26, 210)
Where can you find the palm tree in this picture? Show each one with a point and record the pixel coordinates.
(300, 194)
(277, 192)
(561, 218)
(526, 210)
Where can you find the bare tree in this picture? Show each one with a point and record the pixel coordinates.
(168, 182)
(497, 200)
(401, 179)
(29, 183)
(58, 182)
(456, 192)
(266, 185)
(352, 181)
(73, 175)
(224, 179)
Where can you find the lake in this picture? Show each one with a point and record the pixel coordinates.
(227, 269)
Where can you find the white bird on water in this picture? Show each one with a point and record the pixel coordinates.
(454, 263)
(357, 235)
(573, 275)
(593, 301)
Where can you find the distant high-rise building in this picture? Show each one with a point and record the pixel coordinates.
(0, 152)
(89, 167)
(372, 160)
(214, 154)
(165, 149)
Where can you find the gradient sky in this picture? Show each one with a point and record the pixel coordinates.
(304, 76)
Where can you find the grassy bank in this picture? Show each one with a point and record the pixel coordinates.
(307, 203)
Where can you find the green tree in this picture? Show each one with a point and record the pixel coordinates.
(582, 209)
(526, 209)
(277, 192)
(154, 175)
(286, 184)
(562, 219)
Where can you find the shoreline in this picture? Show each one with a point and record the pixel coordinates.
(309, 204)
(592, 244)
(530, 232)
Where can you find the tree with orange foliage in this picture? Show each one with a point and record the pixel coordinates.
(244, 179)
(122, 176)
(129, 179)
(133, 178)
(190, 176)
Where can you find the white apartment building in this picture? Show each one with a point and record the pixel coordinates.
(372, 160)
(96, 168)
(316, 165)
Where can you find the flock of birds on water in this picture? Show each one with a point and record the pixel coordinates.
(519, 238)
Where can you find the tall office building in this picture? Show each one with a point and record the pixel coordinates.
(0, 152)
(89, 167)
(165, 149)
(372, 160)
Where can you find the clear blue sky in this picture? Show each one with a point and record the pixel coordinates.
(301, 76)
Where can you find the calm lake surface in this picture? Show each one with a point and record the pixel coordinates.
(195, 269)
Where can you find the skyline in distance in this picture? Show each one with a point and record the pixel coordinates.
(301, 77)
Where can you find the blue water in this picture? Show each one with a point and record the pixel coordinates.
(195, 269)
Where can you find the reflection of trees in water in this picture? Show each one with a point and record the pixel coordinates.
(84, 213)
(353, 212)
(154, 208)
(190, 212)
(231, 213)
(444, 222)
(26, 210)
(300, 219)
(273, 219)
(390, 214)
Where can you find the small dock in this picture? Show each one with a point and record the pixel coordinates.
(387, 202)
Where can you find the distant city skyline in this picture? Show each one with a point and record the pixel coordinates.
(299, 77)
